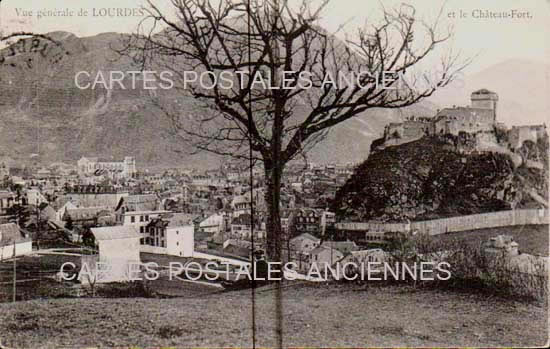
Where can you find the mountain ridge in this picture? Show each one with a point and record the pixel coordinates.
(44, 112)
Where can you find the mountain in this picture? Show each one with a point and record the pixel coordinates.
(43, 112)
(522, 87)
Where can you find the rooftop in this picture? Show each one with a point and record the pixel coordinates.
(133, 213)
(10, 233)
(115, 233)
(483, 91)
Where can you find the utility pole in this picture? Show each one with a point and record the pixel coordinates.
(38, 230)
(14, 271)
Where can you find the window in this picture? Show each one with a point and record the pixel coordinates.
(147, 218)
(177, 243)
(141, 218)
(132, 219)
(162, 233)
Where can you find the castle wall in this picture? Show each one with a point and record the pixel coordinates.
(415, 129)
(393, 128)
(520, 134)
(486, 137)
(485, 104)
(470, 126)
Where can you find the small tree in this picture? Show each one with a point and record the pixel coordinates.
(18, 214)
(88, 238)
(69, 225)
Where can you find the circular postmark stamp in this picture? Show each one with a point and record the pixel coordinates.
(22, 49)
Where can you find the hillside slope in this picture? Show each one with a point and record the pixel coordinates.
(327, 316)
(43, 112)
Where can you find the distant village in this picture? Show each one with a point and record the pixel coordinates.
(108, 205)
(116, 211)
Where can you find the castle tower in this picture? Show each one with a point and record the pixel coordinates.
(485, 99)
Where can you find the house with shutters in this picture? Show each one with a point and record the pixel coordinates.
(170, 234)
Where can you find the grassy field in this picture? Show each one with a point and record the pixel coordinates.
(313, 316)
(532, 239)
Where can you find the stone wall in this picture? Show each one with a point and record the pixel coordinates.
(520, 134)
(456, 224)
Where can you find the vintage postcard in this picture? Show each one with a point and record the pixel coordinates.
(274, 173)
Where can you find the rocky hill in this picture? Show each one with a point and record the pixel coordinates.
(433, 177)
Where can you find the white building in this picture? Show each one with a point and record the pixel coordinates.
(323, 257)
(241, 204)
(60, 212)
(11, 238)
(172, 234)
(119, 250)
(213, 224)
(35, 197)
(94, 166)
(140, 220)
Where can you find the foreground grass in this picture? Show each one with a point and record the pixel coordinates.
(313, 316)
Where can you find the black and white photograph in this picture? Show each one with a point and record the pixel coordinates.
(274, 173)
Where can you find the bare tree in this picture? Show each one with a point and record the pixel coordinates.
(265, 78)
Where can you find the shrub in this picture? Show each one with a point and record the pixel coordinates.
(133, 289)
(169, 331)
(472, 268)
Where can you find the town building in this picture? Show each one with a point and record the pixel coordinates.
(214, 223)
(171, 234)
(323, 257)
(13, 240)
(241, 227)
(95, 195)
(345, 247)
(90, 166)
(89, 216)
(133, 203)
(140, 220)
(119, 251)
(7, 200)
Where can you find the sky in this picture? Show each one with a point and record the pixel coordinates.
(489, 40)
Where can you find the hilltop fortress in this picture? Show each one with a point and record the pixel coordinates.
(478, 120)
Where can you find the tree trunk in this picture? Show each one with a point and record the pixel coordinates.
(274, 236)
